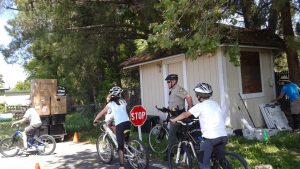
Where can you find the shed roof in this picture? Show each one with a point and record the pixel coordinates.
(245, 37)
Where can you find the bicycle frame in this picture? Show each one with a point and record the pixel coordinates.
(31, 139)
(220, 159)
(109, 133)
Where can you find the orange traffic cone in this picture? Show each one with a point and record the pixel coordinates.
(75, 138)
(37, 166)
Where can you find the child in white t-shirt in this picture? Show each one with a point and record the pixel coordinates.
(117, 106)
(31, 116)
(212, 121)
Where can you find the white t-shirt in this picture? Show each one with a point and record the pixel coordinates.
(109, 116)
(32, 115)
(212, 119)
(119, 111)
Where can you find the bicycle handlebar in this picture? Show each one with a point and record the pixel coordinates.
(163, 109)
(15, 125)
(100, 123)
(187, 123)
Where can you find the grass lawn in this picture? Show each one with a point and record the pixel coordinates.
(282, 151)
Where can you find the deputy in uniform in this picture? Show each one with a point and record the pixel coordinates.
(176, 103)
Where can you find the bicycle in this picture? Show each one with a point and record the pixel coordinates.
(159, 134)
(184, 154)
(135, 152)
(43, 145)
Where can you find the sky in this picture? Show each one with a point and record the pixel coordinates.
(12, 73)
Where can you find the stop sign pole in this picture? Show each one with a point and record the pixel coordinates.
(138, 116)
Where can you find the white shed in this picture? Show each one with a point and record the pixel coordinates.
(253, 79)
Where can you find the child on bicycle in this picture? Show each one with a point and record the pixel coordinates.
(117, 105)
(32, 116)
(212, 121)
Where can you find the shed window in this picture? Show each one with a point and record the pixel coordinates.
(250, 73)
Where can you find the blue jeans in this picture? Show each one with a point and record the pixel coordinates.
(216, 145)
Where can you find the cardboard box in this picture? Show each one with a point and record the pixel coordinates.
(58, 105)
(42, 105)
(43, 87)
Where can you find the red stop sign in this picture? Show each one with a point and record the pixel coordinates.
(138, 115)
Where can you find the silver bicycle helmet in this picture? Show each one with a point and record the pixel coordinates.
(115, 91)
(203, 88)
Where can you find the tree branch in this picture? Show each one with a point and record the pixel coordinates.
(16, 9)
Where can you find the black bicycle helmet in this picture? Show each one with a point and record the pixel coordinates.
(172, 77)
(203, 88)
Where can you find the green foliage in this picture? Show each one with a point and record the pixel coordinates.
(1, 81)
(78, 122)
(22, 86)
(190, 25)
(282, 150)
(141, 45)
(281, 62)
(2, 108)
(80, 44)
(233, 52)
(6, 130)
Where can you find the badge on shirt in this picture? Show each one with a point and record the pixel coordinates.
(182, 91)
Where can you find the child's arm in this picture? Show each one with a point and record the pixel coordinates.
(183, 115)
(100, 114)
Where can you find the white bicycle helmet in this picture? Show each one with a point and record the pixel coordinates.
(203, 88)
(115, 91)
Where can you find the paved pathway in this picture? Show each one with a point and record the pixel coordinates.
(68, 155)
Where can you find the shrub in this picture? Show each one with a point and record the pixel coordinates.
(78, 122)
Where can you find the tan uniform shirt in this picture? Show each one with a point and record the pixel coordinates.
(176, 97)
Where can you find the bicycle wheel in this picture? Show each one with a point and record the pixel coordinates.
(232, 160)
(46, 144)
(105, 149)
(9, 147)
(179, 157)
(158, 139)
(137, 154)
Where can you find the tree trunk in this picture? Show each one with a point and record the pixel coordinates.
(273, 18)
(251, 18)
(289, 37)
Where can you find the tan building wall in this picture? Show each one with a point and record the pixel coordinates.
(203, 69)
(233, 87)
(152, 87)
(214, 69)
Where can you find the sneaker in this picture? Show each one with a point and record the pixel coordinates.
(24, 149)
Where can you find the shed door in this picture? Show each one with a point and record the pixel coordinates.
(176, 68)
(175, 65)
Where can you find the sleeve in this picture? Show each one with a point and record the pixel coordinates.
(195, 110)
(182, 92)
(283, 89)
(27, 113)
